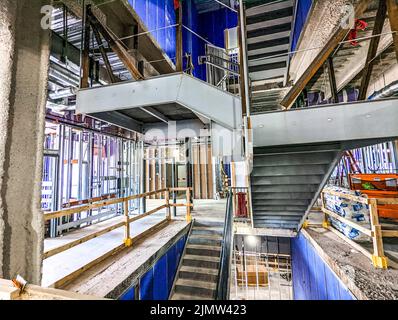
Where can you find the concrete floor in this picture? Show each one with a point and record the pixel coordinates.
(102, 278)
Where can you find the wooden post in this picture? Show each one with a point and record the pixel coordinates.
(168, 212)
(127, 238)
(179, 53)
(188, 217)
(116, 46)
(392, 8)
(104, 55)
(372, 51)
(378, 258)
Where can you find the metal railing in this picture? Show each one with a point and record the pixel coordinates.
(226, 256)
(222, 68)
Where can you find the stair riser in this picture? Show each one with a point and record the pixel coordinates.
(203, 252)
(200, 263)
(202, 292)
(197, 276)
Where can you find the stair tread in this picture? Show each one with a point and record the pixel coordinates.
(182, 296)
(196, 284)
(210, 271)
(203, 246)
(206, 236)
(207, 228)
(201, 258)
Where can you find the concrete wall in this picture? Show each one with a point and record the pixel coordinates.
(24, 61)
(312, 277)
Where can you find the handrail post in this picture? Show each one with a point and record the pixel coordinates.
(167, 197)
(127, 239)
(378, 258)
(188, 194)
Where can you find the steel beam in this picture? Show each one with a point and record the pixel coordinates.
(372, 51)
(153, 112)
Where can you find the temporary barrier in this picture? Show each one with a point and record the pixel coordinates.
(312, 278)
(128, 241)
(375, 232)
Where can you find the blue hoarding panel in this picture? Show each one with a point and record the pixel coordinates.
(146, 286)
(129, 294)
(172, 263)
(312, 277)
(160, 281)
(159, 14)
(303, 8)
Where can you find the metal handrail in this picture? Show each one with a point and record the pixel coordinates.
(222, 292)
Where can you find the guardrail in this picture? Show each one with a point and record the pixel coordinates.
(375, 232)
(226, 254)
(127, 218)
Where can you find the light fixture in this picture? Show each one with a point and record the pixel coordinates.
(252, 240)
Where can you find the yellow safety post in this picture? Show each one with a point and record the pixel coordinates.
(378, 258)
(127, 239)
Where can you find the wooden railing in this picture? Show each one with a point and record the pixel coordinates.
(127, 241)
(375, 232)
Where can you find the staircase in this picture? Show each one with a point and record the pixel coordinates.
(198, 274)
(268, 34)
(286, 180)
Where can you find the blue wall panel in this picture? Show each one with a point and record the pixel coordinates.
(146, 286)
(157, 282)
(211, 25)
(312, 277)
(160, 281)
(157, 14)
(172, 263)
(129, 294)
(303, 8)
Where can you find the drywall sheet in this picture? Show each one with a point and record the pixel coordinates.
(312, 277)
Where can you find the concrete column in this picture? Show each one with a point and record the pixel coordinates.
(24, 60)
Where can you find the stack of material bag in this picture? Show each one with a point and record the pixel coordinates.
(351, 210)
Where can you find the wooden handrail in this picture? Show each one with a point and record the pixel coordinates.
(127, 219)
